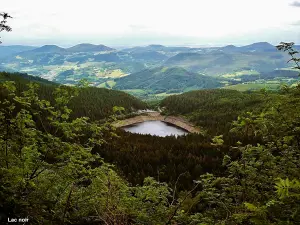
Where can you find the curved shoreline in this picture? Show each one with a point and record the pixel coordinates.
(150, 116)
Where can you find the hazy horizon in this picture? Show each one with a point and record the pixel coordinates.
(135, 23)
(142, 45)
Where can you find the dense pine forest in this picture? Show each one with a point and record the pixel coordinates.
(62, 161)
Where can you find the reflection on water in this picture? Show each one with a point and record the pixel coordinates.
(158, 128)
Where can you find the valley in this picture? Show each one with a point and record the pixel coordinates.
(155, 71)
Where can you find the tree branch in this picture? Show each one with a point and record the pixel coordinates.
(178, 206)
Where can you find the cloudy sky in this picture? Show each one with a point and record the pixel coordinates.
(141, 22)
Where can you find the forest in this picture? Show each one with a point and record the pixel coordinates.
(62, 161)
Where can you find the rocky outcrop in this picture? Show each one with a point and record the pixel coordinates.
(150, 116)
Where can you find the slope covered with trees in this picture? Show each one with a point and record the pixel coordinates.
(164, 158)
(220, 62)
(214, 110)
(164, 79)
(95, 103)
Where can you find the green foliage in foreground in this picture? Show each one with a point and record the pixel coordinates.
(48, 173)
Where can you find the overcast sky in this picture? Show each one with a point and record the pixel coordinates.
(141, 22)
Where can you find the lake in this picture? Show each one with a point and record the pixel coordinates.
(157, 128)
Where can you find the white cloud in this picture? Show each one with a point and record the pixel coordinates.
(78, 21)
(295, 4)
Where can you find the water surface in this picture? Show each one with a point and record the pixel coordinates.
(157, 128)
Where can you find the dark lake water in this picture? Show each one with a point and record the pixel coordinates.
(157, 128)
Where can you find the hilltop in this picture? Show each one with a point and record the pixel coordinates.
(85, 47)
(255, 47)
(164, 79)
(47, 49)
(222, 62)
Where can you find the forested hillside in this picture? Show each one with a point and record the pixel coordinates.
(164, 79)
(214, 110)
(166, 158)
(95, 103)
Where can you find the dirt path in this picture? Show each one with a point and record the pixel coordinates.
(150, 116)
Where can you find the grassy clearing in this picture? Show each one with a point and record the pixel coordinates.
(65, 66)
(253, 86)
(164, 69)
(166, 94)
(240, 73)
(117, 73)
(102, 72)
(111, 83)
(136, 91)
(102, 85)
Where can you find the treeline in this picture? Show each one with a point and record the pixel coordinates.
(92, 102)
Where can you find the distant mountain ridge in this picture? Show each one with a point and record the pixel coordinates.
(104, 66)
(85, 47)
(13, 49)
(157, 48)
(77, 48)
(261, 57)
(258, 46)
(49, 48)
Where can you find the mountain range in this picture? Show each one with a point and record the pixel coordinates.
(14, 49)
(154, 67)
